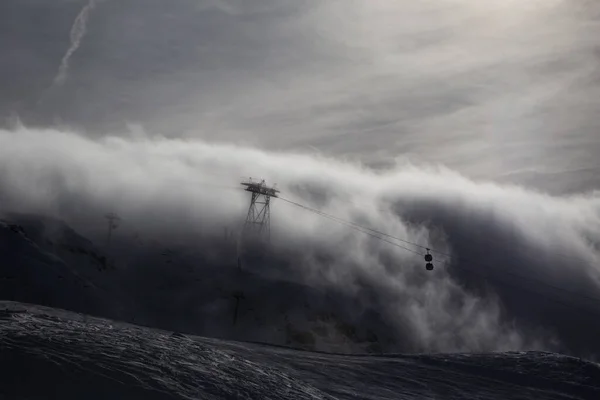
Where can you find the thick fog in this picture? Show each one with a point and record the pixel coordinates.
(515, 269)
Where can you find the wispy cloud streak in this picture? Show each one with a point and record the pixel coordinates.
(78, 32)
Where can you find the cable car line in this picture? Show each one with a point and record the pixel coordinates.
(351, 225)
(361, 227)
(444, 254)
(429, 258)
(523, 245)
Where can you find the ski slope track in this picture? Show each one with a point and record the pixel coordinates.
(50, 353)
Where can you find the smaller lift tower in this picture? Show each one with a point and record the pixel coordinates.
(258, 220)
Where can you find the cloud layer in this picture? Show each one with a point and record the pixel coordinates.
(502, 90)
(521, 266)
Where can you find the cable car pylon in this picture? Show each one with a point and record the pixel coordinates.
(258, 220)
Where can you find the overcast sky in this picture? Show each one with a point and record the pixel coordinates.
(500, 89)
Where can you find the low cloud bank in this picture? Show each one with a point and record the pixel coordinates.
(515, 269)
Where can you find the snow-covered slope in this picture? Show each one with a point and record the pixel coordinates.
(30, 273)
(49, 353)
(46, 262)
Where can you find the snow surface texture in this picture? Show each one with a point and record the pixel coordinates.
(49, 353)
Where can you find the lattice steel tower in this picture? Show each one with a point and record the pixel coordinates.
(113, 223)
(258, 219)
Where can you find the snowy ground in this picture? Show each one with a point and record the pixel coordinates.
(43, 261)
(47, 353)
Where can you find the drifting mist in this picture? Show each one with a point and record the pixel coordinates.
(517, 264)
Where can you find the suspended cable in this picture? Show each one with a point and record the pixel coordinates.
(441, 253)
(369, 231)
(358, 228)
(522, 245)
(356, 225)
(382, 235)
